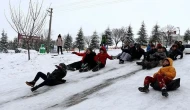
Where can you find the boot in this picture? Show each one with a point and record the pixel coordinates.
(144, 89)
(32, 83)
(164, 92)
(121, 61)
(34, 88)
(139, 63)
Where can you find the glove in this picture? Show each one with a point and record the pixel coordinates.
(113, 57)
(74, 52)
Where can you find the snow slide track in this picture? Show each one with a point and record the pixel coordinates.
(82, 96)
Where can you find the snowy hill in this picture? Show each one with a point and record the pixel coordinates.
(112, 88)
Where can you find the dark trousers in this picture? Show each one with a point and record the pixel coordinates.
(46, 81)
(76, 65)
(59, 47)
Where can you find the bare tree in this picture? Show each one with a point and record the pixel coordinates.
(118, 35)
(124, 35)
(167, 32)
(28, 25)
(87, 39)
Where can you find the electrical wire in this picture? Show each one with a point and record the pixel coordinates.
(92, 5)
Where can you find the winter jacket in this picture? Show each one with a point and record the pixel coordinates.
(158, 56)
(152, 51)
(148, 48)
(168, 71)
(102, 57)
(83, 55)
(131, 51)
(139, 53)
(181, 48)
(59, 42)
(57, 74)
(89, 59)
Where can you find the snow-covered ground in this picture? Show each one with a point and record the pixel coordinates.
(112, 88)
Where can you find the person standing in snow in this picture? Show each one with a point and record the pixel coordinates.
(87, 63)
(164, 76)
(50, 79)
(181, 46)
(59, 44)
(101, 59)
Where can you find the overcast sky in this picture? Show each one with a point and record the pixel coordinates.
(91, 15)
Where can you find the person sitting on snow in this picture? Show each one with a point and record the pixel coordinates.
(164, 76)
(128, 54)
(150, 52)
(87, 63)
(139, 52)
(155, 59)
(50, 79)
(174, 52)
(126, 46)
(101, 58)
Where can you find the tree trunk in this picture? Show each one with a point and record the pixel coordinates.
(116, 45)
(28, 46)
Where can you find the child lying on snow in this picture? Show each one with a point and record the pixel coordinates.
(164, 76)
(52, 79)
(101, 59)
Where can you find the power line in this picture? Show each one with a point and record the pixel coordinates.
(75, 3)
(93, 5)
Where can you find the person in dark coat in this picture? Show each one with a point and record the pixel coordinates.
(128, 54)
(174, 52)
(139, 52)
(87, 63)
(50, 79)
(126, 46)
(181, 47)
(165, 50)
(152, 51)
(155, 59)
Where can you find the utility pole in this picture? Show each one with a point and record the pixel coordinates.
(49, 34)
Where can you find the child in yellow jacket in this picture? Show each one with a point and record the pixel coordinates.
(164, 76)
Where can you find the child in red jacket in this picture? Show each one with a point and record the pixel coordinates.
(101, 59)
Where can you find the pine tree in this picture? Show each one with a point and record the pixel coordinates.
(68, 42)
(142, 39)
(94, 41)
(156, 34)
(15, 43)
(129, 37)
(80, 40)
(187, 36)
(107, 34)
(4, 42)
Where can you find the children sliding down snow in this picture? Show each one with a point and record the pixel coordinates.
(164, 77)
(87, 63)
(101, 59)
(52, 79)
